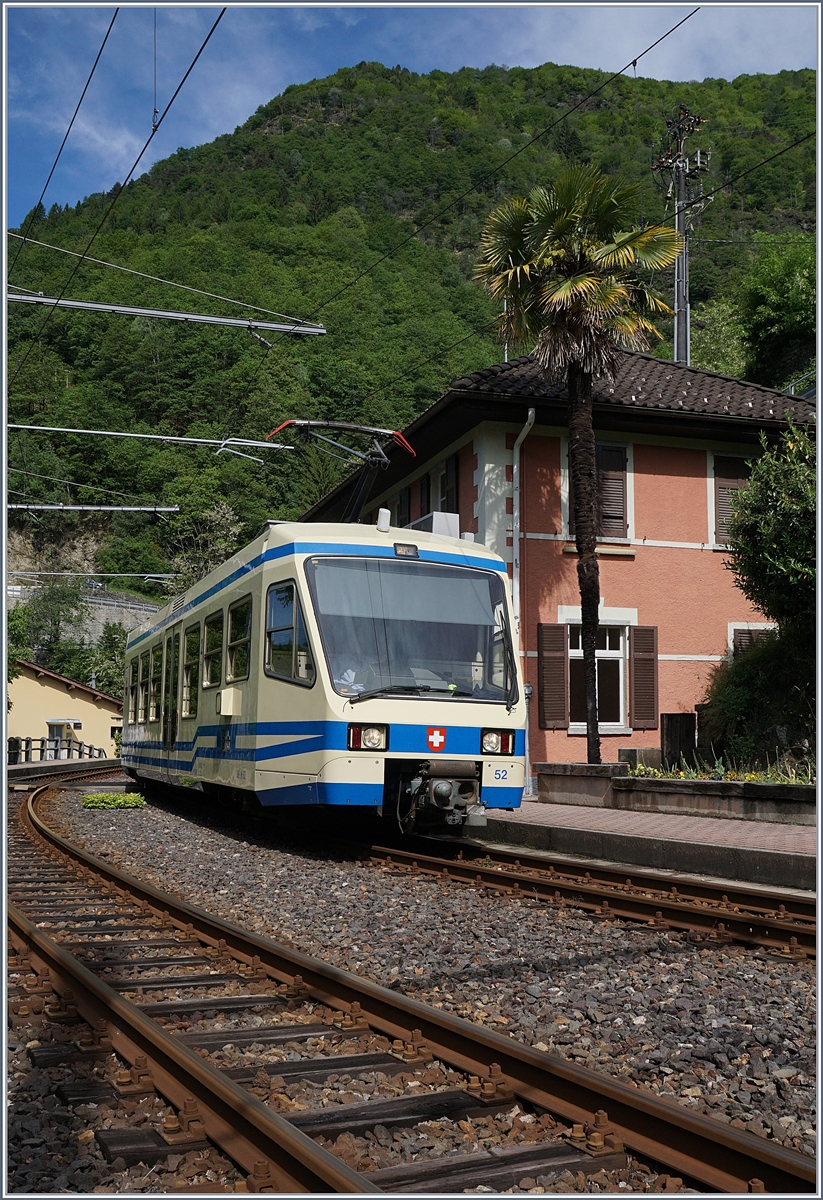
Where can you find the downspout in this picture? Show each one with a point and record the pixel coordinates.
(521, 437)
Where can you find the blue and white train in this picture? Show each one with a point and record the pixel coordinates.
(336, 665)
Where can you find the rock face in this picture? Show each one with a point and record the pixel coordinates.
(726, 1031)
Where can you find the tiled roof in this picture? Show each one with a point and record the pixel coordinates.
(645, 382)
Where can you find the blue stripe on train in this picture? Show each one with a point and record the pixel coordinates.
(434, 556)
(317, 735)
(500, 797)
(356, 794)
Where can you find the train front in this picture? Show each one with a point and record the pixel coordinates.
(420, 670)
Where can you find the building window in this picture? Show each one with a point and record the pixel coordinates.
(143, 694)
(612, 504)
(239, 640)
(425, 495)
(611, 676)
(134, 667)
(743, 637)
(288, 653)
(730, 475)
(213, 650)
(191, 671)
(626, 677)
(155, 680)
(401, 509)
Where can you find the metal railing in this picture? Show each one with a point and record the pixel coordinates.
(46, 749)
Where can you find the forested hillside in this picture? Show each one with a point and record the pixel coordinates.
(320, 184)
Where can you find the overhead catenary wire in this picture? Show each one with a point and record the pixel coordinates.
(36, 208)
(156, 279)
(117, 195)
(90, 487)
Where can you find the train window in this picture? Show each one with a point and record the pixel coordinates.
(133, 670)
(213, 650)
(143, 693)
(239, 639)
(191, 671)
(288, 653)
(155, 679)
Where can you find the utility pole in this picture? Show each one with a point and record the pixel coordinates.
(682, 171)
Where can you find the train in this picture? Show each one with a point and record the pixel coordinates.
(336, 666)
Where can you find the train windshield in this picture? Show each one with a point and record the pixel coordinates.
(412, 628)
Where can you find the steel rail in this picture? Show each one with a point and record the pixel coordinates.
(724, 913)
(654, 1127)
(241, 1124)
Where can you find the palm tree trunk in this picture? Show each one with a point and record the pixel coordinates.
(583, 464)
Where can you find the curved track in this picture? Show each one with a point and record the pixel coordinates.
(90, 930)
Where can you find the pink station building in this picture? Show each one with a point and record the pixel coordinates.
(673, 445)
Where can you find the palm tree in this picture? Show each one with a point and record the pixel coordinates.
(565, 261)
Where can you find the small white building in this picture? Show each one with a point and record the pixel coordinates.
(51, 706)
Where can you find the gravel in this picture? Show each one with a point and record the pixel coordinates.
(722, 1030)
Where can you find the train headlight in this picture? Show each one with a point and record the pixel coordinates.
(368, 737)
(497, 741)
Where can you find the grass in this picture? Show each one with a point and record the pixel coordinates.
(113, 800)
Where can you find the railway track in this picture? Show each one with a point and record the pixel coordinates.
(715, 912)
(147, 973)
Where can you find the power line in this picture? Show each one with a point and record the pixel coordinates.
(153, 508)
(62, 144)
(92, 487)
(119, 193)
(130, 310)
(223, 443)
(505, 162)
(154, 278)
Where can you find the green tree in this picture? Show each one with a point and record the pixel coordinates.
(17, 638)
(763, 702)
(778, 304)
(57, 614)
(565, 260)
(771, 534)
(199, 541)
(108, 661)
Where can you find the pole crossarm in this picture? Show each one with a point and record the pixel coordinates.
(157, 437)
(128, 310)
(150, 508)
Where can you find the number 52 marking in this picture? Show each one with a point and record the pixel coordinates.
(501, 773)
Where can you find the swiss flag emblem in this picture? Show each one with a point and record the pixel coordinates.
(436, 739)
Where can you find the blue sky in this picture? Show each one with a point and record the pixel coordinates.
(258, 50)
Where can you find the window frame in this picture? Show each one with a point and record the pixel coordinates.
(232, 646)
(208, 655)
(186, 711)
(622, 656)
(134, 671)
(297, 606)
(742, 481)
(143, 687)
(155, 682)
(600, 449)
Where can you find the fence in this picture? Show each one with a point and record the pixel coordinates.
(44, 749)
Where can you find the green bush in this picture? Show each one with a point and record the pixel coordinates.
(761, 706)
(113, 800)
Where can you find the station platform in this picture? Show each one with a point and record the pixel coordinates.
(763, 852)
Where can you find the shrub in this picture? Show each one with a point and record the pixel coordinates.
(113, 800)
(761, 705)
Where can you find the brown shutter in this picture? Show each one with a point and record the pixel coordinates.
(643, 677)
(611, 491)
(553, 676)
(743, 640)
(730, 474)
